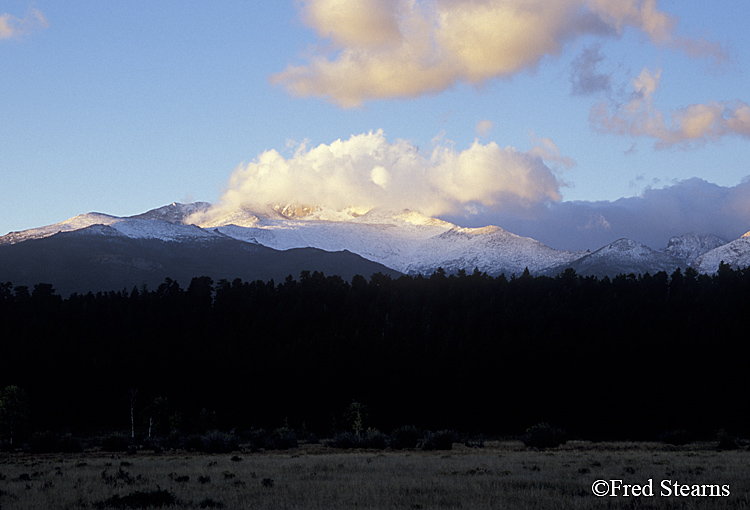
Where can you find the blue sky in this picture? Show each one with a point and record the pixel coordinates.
(575, 122)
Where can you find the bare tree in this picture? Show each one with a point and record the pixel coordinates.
(133, 393)
(14, 411)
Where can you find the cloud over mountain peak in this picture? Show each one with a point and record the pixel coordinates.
(368, 171)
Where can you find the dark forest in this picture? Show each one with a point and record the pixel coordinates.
(624, 358)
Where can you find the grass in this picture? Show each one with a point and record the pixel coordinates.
(500, 475)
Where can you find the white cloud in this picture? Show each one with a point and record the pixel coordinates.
(406, 48)
(368, 171)
(546, 150)
(691, 126)
(355, 23)
(12, 27)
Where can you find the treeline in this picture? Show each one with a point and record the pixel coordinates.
(623, 358)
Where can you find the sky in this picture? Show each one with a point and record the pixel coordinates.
(576, 122)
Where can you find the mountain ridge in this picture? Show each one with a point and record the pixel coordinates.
(102, 258)
(406, 242)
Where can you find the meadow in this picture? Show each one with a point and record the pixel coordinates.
(502, 474)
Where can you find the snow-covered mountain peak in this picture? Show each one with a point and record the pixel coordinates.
(625, 246)
(417, 218)
(736, 254)
(405, 240)
(174, 212)
(688, 247)
(212, 219)
(623, 256)
(282, 216)
(74, 223)
(479, 231)
(163, 223)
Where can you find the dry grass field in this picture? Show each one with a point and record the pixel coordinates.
(500, 475)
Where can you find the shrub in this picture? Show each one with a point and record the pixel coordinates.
(475, 442)
(174, 441)
(214, 441)
(256, 439)
(441, 440)
(220, 442)
(373, 439)
(282, 438)
(210, 503)
(138, 499)
(543, 435)
(404, 437)
(346, 440)
(727, 441)
(153, 444)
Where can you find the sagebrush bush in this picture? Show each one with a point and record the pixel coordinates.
(256, 439)
(375, 439)
(158, 498)
(727, 441)
(174, 441)
(544, 435)
(210, 503)
(474, 442)
(404, 437)
(345, 440)
(214, 441)
(441, 440)
(282, 438)
(372, 439)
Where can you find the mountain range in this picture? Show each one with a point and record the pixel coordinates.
(97, 251)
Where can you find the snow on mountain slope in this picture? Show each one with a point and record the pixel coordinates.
(407, 241)
(735, 253)
(489, 249)
(624, 256)
(174, 212)
(158, 229)
(74, 223)
(134, 227)
(688, 247)
(393, 244)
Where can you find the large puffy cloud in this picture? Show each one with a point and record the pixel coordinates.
(405, 48)
(358, 23)
(689, 206)
(367, 171)
(690, 126)
(13, 27)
